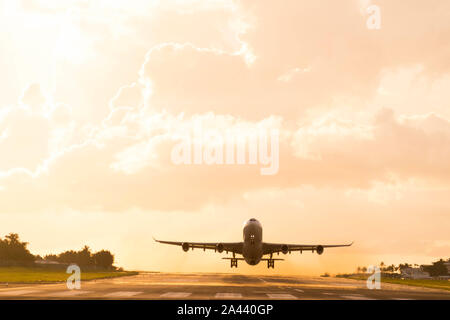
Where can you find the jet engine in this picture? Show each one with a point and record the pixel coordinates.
(284, 249)
(319, 249)
(219, 247)
(185, 246)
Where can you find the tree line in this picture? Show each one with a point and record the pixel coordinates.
(15, 252)
(84, 258)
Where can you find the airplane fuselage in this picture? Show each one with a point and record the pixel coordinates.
(252, 248)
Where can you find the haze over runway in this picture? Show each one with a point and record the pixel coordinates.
(221, 286)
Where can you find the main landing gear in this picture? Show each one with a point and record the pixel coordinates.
(270, 263)
(234, 261)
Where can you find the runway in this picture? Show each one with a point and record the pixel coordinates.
(221, 286)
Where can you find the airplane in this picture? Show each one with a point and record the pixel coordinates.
(252, 248)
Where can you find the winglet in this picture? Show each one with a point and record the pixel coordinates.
(155, 239)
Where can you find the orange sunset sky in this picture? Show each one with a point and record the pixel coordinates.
(92, 92)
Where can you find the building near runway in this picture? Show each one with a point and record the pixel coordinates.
(447, 264)
(414, 273)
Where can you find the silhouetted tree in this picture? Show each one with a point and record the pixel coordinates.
(15, 251)
(51, 257)
(103, 259)
(390, 268)
(85, 257)
(403, 266)
(438, 268)
(68, 256)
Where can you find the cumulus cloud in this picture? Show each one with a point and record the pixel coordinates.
(134, 135)
(133, 157)
(33, 98)
(25, 139)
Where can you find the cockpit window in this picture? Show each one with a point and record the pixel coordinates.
(252, 219)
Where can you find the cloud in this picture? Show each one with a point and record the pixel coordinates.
(386, 147)
(33, 98)
(345, 57)
(25, 132)
(127, 160)
(128, 136)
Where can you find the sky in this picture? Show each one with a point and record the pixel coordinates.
(93, 95)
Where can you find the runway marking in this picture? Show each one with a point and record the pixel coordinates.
(7, 288)
(16, 292)
(123, 294)
(228, 295)
(176, 294)
(299, 290)
(67, 293)
(262, 280)
(357, 297)
(328, 293)
(284, 296)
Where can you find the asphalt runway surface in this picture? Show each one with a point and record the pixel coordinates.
(221, 286)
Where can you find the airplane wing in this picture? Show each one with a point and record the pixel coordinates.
(269, 248)
(235, 247)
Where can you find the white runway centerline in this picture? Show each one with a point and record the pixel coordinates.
(175, 294)
(299, 290)
(16, 292)
(284, 296)
(123, 294)
(226, 295)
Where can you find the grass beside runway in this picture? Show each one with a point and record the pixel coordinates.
(41, 275)
(434, 284)
(424, 283)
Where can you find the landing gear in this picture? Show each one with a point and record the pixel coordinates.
(234, 261)
(270, 262)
